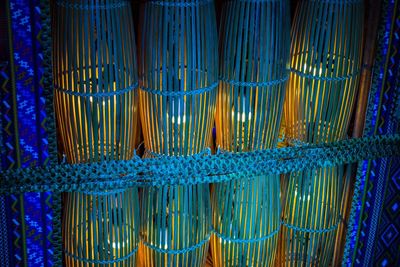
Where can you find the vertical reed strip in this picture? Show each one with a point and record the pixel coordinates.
(325, 70)
(96, 108)
(179, 75)
(254, 53)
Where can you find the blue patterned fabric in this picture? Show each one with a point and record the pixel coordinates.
(25, 219)
(374, 234)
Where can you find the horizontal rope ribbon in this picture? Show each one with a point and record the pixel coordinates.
(178, 251)
(97, 94)
(312, 231)
(241, 241)
(204, 152)
(180, 4)
(102, 261)
(104, 193)
(323, 78)
(180, 93)
(224, 167)
(82, 6)
(255, 84)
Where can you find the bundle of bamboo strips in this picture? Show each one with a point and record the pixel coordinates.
(254, 53)
(178, 72)
(95, 78)
(325, 66)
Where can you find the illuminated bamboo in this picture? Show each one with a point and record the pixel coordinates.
(254, 53)
(177, 96)
(96, 107)
(325, 66)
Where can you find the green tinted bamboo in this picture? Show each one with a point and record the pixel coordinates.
(254, 47)
(325, 63)
(96, 107)
(177, 96)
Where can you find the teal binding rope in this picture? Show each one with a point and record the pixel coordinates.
(102, 261)
(180, 4)
(178, 251)
(255, 84)
(171, 93)
(79, 6)
(323, 78)
(97, 94)
(103, 193)
(246, 241)
(205, 152)
(312, 231)
(194, 170)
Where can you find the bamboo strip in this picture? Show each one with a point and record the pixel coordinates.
(96, 108)
(254, 52)
(325, 63)
(177, 96)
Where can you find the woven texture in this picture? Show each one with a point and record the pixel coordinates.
(254, 54)
(193, 170)
(179, 76)
(325, 67)
(95, 100)
(100, 178)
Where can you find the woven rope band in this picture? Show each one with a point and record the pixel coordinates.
(328, 79)
(102, 261)
(103, 193)
(313, 231)
(97, 94)
(253, 240)
(180, 93)
(204, 152)
(255, 84)
(81, 6)
(193, 170)
(178, 251)
(181, 4)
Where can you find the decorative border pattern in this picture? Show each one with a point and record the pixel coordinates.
(363, 240)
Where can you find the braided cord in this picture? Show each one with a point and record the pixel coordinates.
(180, 93)
(81, 6)
(246, 241)
(181, 4)
(222, 167)
(312, 231)
(178, 251)
(132, 253)
(255, 84)
(323, 78)
(205, 152)
(97, 94)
